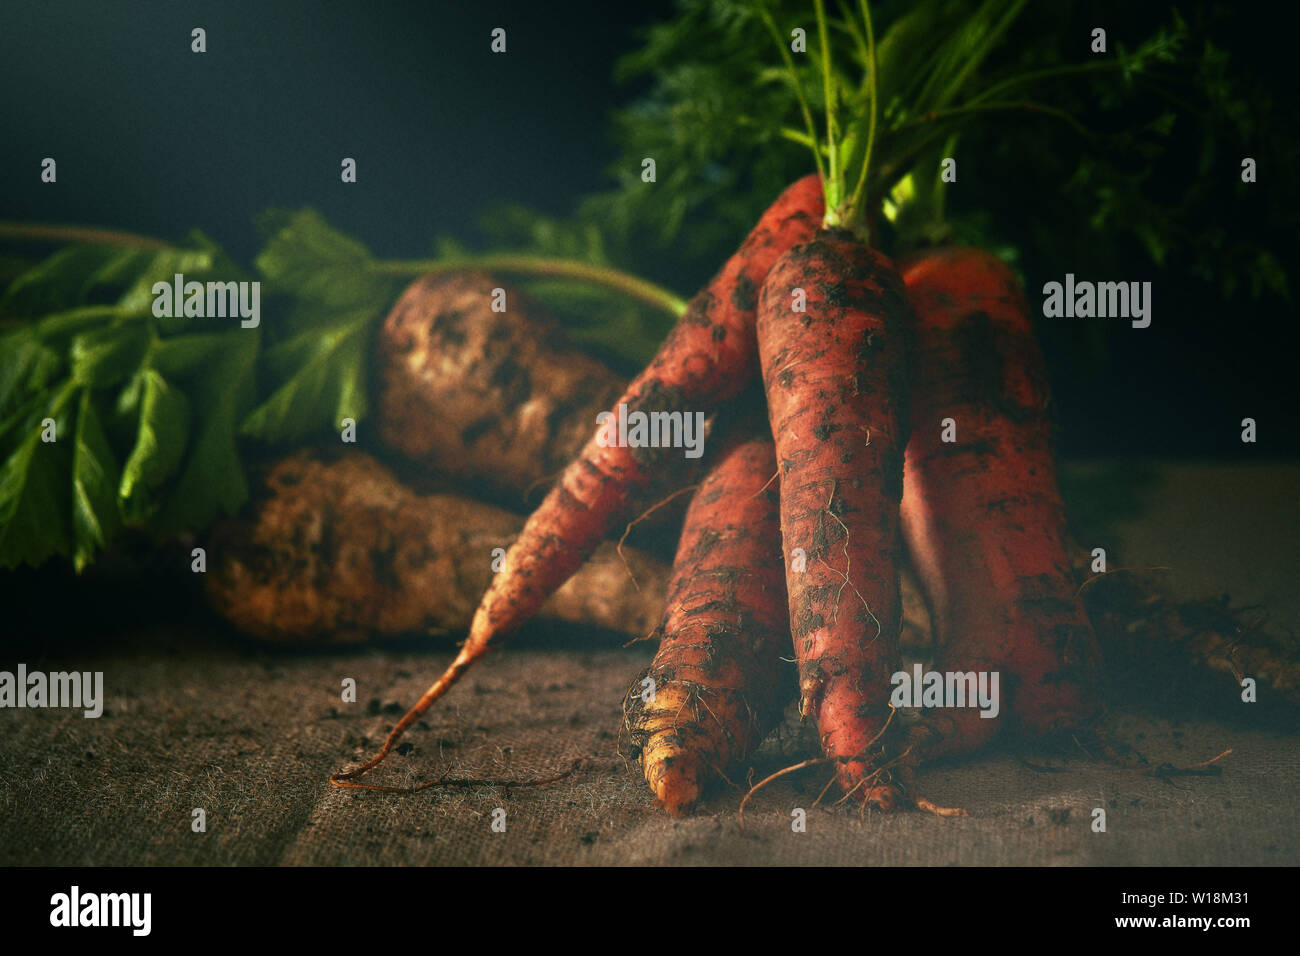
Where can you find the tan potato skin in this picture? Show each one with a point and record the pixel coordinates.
(336, 550)
(493, 398)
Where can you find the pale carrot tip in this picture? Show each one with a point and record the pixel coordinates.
(675, 784)
(678, 797)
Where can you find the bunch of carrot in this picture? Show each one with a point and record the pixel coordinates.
(867, 368)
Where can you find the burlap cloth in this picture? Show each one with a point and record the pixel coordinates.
(196, 719)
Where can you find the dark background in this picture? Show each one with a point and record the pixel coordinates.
(152, 138)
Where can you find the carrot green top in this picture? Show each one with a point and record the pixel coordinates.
(844, 210)
(906, 97)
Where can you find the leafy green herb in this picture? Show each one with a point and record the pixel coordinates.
(81, 346)
(170, 398)
(320, 352)
(95, 515)
(212, 483)
(161, 432)
(35, 517)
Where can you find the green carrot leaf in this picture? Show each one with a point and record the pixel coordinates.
(58, 328)
(161, 432)
(26, 366)
(323, 376)
(307, 258)
(95, 515)
(62, 281)
(106, 356)
(212, 482)
(181, 356)
(34, 507)
(196, 259)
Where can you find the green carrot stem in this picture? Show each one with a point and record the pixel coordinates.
(785, 132)
(41, 232)
(1074, 69)
(632, 286)
(859, 41)
(798, 90)
(832, 181)
(1027, 106)
(984, 45)
(857, 214)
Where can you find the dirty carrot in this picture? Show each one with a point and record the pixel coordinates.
(834, 374)
(982, 515)
(707, 359)
(717, 685)
(832, 329)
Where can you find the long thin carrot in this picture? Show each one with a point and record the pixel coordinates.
(708, 358)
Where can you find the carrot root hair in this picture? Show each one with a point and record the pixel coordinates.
(471, 652)
(888, 790)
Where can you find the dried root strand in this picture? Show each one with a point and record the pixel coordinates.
(1133, 619)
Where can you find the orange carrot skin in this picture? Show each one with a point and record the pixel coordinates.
(983, 516)
(707, 358)
(835, 378)
(721, 684)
